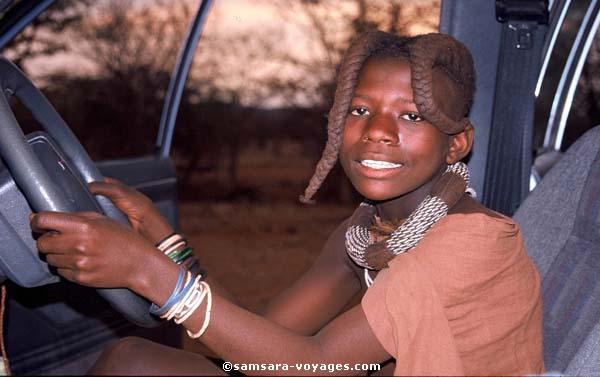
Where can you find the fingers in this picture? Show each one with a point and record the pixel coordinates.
(69, 275)
(77, 277)
(61, 222)
(51, 243)
(60, 254)
(89, 248)
(61, 238)
(61, 261)
(58, 221)
(108, 189)
(113, 181)
(90, 215)
(117, 192)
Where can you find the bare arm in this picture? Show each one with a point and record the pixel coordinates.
(77, 245)
(240, 336)
(320, 294)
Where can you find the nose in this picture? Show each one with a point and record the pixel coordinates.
(382, 129)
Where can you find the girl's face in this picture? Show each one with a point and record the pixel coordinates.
(388, 149)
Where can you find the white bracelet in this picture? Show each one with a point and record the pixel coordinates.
(192, 303)
(206, 315)
(185, 303)
(175, 238)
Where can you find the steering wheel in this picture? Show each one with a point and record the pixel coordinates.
(35, 181)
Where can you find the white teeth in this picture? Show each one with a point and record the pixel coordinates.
(374, 164)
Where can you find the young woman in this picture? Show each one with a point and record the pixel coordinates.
(452, 289)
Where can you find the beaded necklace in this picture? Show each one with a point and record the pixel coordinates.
(371, 255)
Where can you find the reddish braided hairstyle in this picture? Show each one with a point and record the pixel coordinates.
(424, 52)
(440, 50)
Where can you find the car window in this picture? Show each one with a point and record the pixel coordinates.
(567, 90)
(585, 112)
(581, 113)
(105, 66)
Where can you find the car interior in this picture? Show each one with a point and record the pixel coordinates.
(531, 162)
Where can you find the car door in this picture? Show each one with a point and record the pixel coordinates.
(60, 328)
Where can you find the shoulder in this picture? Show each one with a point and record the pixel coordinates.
(470, 246)
(470, 240)
(470, 221)
(472, 213)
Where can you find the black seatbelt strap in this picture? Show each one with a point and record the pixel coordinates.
(510, 157)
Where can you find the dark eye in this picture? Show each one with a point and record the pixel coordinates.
(412, 117)
(359, 111)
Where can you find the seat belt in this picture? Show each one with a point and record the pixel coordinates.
(510, 153)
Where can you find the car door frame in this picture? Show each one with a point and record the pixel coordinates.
(154, 175)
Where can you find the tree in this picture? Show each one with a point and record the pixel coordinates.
(38, 39)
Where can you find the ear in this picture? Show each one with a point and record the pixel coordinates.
(460, 145)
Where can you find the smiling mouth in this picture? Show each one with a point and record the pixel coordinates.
(379, 165)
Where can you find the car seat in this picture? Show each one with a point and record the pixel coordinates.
(560, 221)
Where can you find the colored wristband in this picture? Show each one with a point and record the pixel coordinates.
(172, 300)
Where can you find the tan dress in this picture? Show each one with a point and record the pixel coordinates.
(465, 301)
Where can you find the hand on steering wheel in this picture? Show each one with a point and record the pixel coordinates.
(139, 209)
(91, 249)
